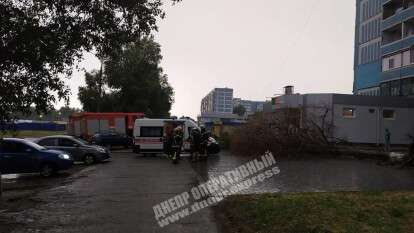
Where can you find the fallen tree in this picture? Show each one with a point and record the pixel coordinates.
(285, 132)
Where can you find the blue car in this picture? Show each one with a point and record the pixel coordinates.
(22, 156)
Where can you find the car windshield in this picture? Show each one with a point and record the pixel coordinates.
(81, 141)
(34, 145)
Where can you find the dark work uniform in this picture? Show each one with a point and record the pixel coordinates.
(195, 141)
(177, 143)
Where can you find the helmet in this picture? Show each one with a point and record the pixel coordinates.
(195, 131)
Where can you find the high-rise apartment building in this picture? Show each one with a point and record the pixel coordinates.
(219, 100)
(384, 48)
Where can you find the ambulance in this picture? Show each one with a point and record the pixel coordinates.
(149, 134)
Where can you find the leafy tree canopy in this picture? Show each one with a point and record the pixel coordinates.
(61, 114)
(239, 110)
(133, 81)
(41, 41)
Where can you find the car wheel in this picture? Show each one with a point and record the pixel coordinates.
(89, 159)
(47, 170)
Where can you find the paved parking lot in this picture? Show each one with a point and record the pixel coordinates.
(116, 196)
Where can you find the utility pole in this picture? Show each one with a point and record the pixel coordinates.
(100, 84)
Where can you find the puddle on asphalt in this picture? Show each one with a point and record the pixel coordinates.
(9, 177)
(316, 175)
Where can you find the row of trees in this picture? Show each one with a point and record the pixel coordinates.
(41, 41)
(61, 114)
(131, 81)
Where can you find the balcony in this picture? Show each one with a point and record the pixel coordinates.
(392, 7)
(409, 28)
(392, 34)
(403, 14)
(392, 41)
(406, 71)
(408, 4)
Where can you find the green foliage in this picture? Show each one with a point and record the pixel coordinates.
(61, 114)
(133, 81)
(42, 40)
(239, 110)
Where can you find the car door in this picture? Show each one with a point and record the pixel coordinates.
(19, 158)
(118, 139)
(4, 157)
(70, 146)
(106, 139)
(50, 143)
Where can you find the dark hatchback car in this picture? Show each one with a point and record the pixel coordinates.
(22, 156)
(112, 140)
(79, 149)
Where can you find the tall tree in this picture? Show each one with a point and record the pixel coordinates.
(135, 80)
(42, 40)
(91, 96)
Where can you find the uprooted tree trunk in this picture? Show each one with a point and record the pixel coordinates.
(285, 132)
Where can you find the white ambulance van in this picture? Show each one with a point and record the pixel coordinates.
(149, 134)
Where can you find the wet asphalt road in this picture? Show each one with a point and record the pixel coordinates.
(118, 196)
(318, 174)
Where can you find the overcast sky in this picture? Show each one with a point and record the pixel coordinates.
(255, 47)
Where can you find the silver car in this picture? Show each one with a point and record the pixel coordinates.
(79, 149)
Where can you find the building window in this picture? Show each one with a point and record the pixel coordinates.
(348, 113)
(395, 88)
(388, 114)
(407, 86)
(412, 55)
(391, 63)
(385, 89)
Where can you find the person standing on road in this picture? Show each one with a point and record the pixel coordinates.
(178, 140)
(387, 140)
(195, 144)
(204, 141)
(168, 141)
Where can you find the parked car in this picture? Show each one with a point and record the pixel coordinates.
(213, 147)
(22, 156)
(79, 149)
(112, 139)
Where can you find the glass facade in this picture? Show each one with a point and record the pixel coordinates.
(400, 87)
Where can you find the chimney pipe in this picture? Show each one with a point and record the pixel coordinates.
(289, 90)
